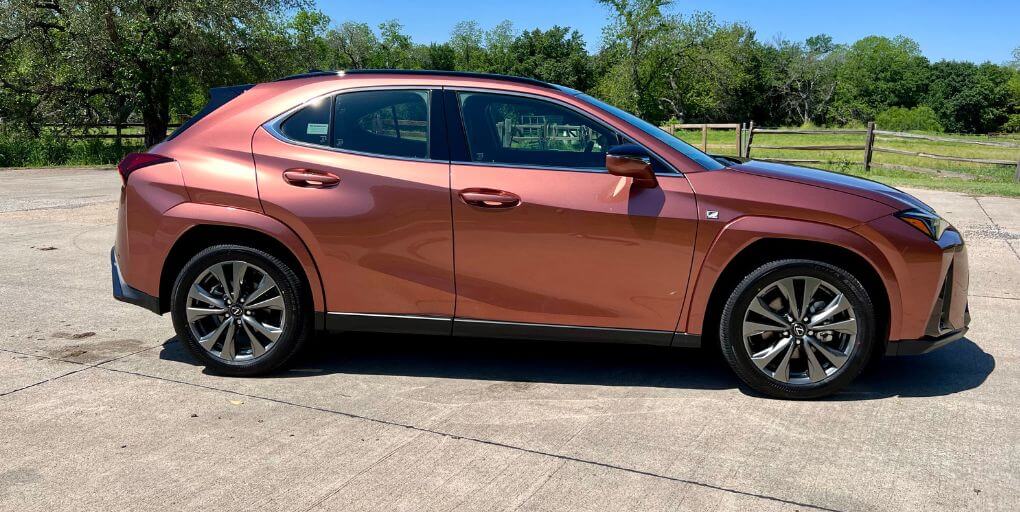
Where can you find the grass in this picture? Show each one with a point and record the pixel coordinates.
(24, 150)
(971, 178)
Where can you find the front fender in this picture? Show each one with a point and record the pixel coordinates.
(740, 233)
(185, 216)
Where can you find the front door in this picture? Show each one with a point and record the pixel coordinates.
(543, 234)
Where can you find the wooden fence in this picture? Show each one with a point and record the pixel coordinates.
(744, 143)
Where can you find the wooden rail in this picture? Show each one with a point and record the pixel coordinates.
(869, 148)
(705, 127)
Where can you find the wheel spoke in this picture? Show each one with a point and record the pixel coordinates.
(765, 357)
(273, 303)
(788, 290)
(810, 288)
(265, 284)
(256, 346)
(782, 372)
(273, 333)
(200, 294)
(229, 350)
(815, 370)
(764, 310)
(835, 357)
(848, 326)
(197, 313)
(210, 339)
(238, 270)
(753, 328)
(838, 305)
(217, 272)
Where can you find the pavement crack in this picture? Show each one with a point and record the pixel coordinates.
(995, 225)
(487, 442)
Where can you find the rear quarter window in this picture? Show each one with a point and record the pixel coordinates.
(309, 124)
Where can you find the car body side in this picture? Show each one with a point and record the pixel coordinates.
(214, 182)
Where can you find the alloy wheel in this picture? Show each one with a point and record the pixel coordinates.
(236, 311)
(800, 330)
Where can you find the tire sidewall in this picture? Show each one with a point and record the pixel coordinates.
(731, 327)
(296, 315)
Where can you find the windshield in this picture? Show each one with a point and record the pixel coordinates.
(686, 149)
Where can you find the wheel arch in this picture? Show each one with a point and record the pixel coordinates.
(207, 225)
(742, 246)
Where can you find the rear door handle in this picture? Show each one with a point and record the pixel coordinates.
(489, 198)
(311, 178)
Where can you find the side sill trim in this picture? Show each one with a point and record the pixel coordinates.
(465, 327)
(519, 330)
(399, 324)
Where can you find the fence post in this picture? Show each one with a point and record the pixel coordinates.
(869, 142)
(704, 137)
(750, 140)
(740, 139)
(1016, 177)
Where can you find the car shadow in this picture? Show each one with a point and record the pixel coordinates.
(955, 368)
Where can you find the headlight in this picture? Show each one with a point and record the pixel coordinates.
(928, 223)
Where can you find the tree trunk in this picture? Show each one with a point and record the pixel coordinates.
(156, 110)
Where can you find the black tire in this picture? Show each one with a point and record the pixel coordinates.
(296, 313)
(731, 328)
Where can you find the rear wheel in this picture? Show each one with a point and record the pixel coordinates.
(798, 329)
(240, 310)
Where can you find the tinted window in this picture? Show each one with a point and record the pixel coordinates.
(391, 123)
(686, 149)
(525, 131)
(310, 124)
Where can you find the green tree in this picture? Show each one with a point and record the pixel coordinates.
(74, 56)
(354, 43)
(806, 82)
(633, 43)
(969, 98)
(466, 42)
(556, 55)
(878, 73)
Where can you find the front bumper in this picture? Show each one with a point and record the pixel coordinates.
(125, 293)
(923, 345)
(949, 319)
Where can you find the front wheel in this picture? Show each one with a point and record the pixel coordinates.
(798, 329)
(240, 310)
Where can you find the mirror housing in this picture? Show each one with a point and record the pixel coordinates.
(632, 161)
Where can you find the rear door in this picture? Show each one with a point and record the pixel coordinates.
(363, 178)
(545, 235)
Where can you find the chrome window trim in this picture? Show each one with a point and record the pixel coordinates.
(538, 97)
(273, 125)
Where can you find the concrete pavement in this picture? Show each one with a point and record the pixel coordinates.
(101, 408)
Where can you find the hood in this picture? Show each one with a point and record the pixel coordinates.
(860, 187)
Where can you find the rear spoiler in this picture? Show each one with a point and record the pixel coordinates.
(218, 96)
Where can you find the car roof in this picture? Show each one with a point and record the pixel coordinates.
(426, 72)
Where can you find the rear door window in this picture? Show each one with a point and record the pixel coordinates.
(390, 123)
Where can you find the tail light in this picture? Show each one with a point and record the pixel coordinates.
(134, 161)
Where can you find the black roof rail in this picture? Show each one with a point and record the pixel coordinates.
(423, 72)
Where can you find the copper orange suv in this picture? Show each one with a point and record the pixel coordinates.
(477, 205)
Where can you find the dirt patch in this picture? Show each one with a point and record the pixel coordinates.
(94, 352)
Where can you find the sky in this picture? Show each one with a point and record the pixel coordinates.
(976, 30)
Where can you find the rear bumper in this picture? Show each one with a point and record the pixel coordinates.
(125, 293)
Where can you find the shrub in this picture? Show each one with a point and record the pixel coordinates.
(1013, 124)
(18, 149)
(901, 119)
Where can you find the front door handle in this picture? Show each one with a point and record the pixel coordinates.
(489, 198)
(311, 178)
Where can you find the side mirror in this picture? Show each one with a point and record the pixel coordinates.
(632, 161)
